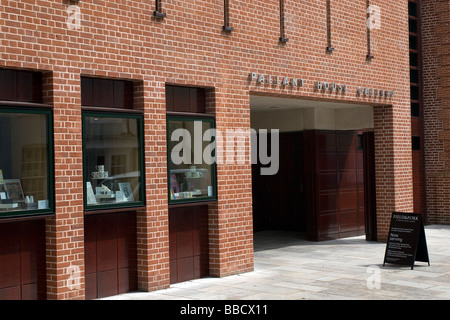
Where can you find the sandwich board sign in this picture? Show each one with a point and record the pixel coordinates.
(406, 240)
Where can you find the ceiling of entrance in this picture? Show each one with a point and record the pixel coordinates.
(268, 103)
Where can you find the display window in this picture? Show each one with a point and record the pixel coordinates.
(26, 166)
(113, 160)
(191, 158)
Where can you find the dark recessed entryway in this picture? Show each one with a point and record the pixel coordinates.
(324, 186)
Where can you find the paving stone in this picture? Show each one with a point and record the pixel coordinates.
(291, 268)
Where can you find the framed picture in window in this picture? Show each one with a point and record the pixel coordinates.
(14, 189)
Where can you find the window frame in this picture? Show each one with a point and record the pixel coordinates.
(193, 118)
(48, 113)
(141, 162)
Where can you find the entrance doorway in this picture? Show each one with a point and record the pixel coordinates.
(324, 186)
(278, 201)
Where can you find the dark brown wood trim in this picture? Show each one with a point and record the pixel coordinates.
(118, 210)
(190, 114)
(113, 110)
(25, 104)
(27, 218)
(192, 204)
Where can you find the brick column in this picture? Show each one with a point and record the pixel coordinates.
(393, 163)
(64, 231)
(153, 221)
(231, 220)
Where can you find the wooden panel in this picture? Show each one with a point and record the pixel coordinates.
(327, 202)
(119, 94)
(32, 252)
(87, 93)
(348, 221)
(9, 254)
(107, 242)
(181, 99)
(107, 93)
(347, 161)
(327, 161)
(8, 83)
(11, 293)
(22, 260)
(91, 285)
(326, 140)
(188, 243)
(126, 247)
(185, 269)
(346, 141)
(24, 86)
(347, 181)
(90, 244)
(327, 181)
(185, 99)
(185, 230)
(328, 225)
(348, 201)
(30, 291)
(107, 283)
(197, 100)
(123, 279)
(169, 98)
(111, 254)
(103, 93)
(21, 85)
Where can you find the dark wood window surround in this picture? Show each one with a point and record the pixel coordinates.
(188, 222)
(110, 234)
(22, 239)
(108, 95)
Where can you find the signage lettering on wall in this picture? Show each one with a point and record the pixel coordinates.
(332, 87)
(371, 92)
(324, 86)
(276, 80)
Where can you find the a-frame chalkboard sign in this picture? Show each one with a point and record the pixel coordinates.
(406, 240)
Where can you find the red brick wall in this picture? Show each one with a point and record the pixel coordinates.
(436, 88)
(121, 39)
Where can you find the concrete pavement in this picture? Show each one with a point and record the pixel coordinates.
(289, 268)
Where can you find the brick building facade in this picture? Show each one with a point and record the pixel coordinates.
(234, 63)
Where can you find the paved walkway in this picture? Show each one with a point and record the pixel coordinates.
(290, 268)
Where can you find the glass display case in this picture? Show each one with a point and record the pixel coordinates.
(192, 169)
(25, 161)
(113, 160)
